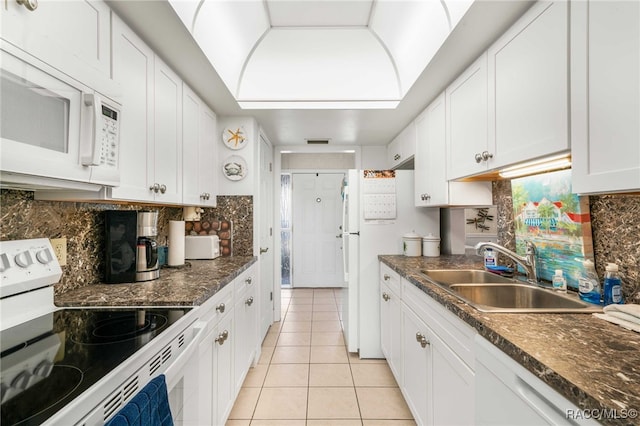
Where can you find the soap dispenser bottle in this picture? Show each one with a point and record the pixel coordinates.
(559, 282)
(612, 285)
(589, 283)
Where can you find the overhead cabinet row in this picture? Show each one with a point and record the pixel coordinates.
(516, 102)
(160, 140)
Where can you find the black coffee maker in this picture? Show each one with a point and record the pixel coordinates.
(131, 246)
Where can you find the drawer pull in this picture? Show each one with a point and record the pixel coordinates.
(249, 301)
(386, 277)
(220, 308)
(386, 297)
(248, 280)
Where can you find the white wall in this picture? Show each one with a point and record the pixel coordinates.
(374, 157)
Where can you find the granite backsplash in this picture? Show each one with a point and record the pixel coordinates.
(82, 224)
(615, 223)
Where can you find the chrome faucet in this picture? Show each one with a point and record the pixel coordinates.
(528, 261)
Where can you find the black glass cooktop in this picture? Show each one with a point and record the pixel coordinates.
(49, 361)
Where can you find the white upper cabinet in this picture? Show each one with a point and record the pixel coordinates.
(431, 186)
(511, 105)
(528, 86)
(466, 122)
(133, 68)
(198, 151)
(167, 154)
(403, 147)
(68, 35)
(151, 134)
(605, 96)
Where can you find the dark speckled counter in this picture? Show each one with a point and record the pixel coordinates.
(591, 362)
(189, 285)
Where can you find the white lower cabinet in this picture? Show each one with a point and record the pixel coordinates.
(226, 354)
(437, 384)
(391, 326)
(246, 318)
(450, 375)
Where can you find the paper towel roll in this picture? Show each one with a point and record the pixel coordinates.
(176, 243)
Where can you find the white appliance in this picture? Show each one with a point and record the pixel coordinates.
(378, 209)
(201, 247)
(82, 365)
(54, 129)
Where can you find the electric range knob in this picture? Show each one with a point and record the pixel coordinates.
(4, 262)
(24, 259)
(21, 381)
(43, 369)
(44, 256)
(3, 391)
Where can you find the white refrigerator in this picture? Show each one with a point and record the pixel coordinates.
(378, 209)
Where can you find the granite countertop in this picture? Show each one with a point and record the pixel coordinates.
(189, 285)
(591, 362)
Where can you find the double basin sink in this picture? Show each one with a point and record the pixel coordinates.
(488, 292)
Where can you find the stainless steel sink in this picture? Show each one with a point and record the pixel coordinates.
(457, 276)
(519, 298)
(489, 292)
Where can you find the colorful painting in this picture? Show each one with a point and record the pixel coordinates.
(557, 221)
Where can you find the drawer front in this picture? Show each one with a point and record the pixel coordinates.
(218, 306)
(245, 282)
(390, 277)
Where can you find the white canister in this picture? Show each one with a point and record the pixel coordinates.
(411, 244)
(431, 246)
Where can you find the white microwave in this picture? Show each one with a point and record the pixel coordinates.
(55, 131)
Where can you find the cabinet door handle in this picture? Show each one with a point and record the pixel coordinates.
(396, 157)
(478, 158)
(29, 4)
(420, 338)
(248, 281)
(163, 188)
(386, 297)
(249, 301)
(486, 155)
(386, 277)
(220, 308)
(264, 250)
(222, 337)
(155, 188)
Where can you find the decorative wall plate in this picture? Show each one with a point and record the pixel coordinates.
(234, 167)
(234, 137)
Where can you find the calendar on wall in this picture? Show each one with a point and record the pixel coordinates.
(379, 194)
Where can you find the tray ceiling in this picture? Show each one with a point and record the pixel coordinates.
(327, 54)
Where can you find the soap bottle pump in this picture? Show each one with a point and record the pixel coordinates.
(559, 282)
(612, 285)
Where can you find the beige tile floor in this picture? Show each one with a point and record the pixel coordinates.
(306, 377)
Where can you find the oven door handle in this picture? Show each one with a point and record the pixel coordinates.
(173, 373)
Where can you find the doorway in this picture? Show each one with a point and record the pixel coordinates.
(316, 231)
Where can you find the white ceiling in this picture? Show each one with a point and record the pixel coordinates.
(295, 33)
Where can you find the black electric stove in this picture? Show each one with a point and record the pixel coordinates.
(50, 360)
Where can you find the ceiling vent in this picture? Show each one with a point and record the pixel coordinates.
(317, 141)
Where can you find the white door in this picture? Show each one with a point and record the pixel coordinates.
(317, 236)
(266, 237)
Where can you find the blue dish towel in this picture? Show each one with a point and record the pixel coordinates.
(150, 407)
